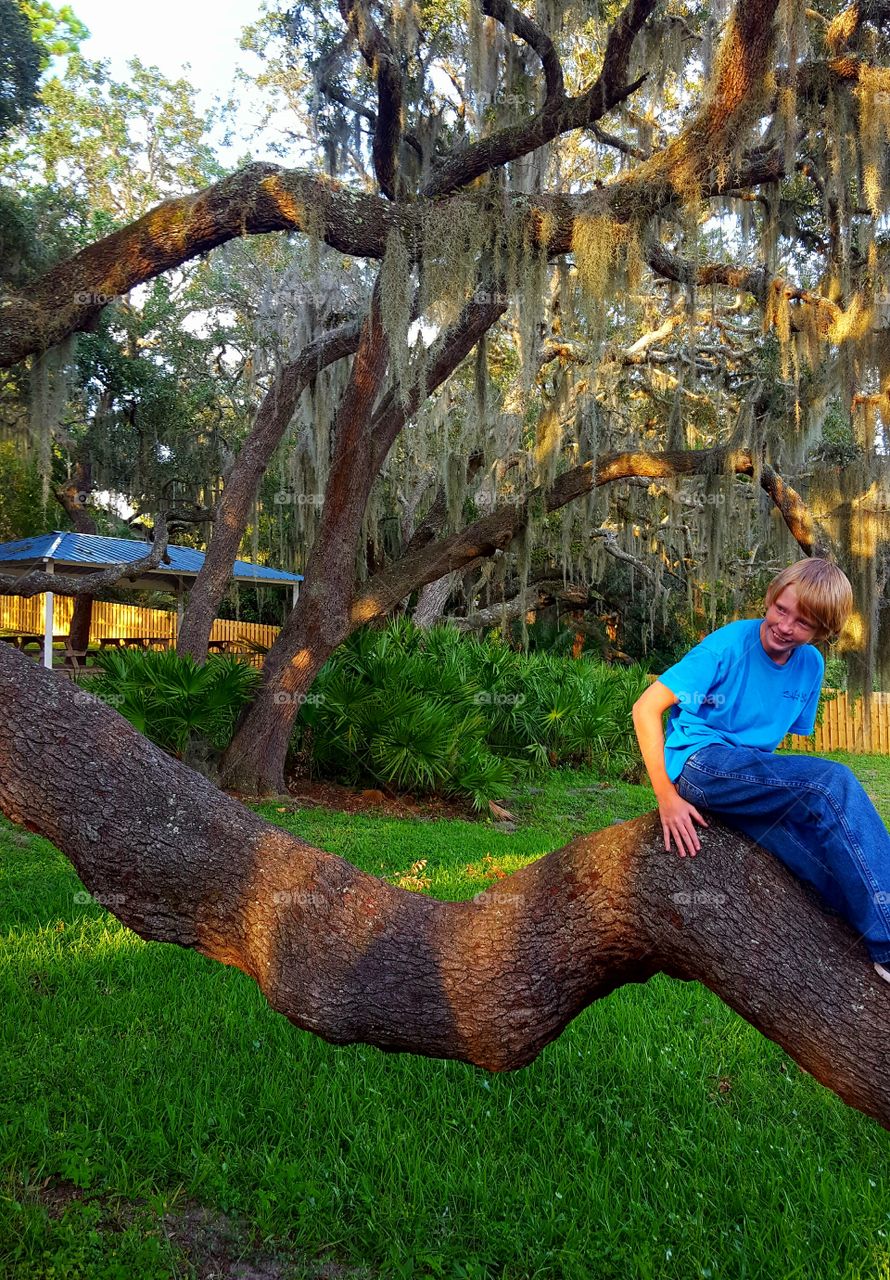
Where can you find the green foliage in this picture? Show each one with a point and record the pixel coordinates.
(19, 66)
(437, 711)
(57, 32)
(187, 709)
(838, 446)
(21, 508)
(835, 672)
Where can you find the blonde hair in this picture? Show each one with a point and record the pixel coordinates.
(823, 593)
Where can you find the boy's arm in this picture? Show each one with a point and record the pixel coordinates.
(648, 711)
(676, 813)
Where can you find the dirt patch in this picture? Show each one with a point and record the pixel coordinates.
(306, 794)
(214, 1246)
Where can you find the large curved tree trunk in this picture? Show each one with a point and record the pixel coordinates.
(490, 981)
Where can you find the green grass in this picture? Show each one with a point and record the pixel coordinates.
(660, 1136)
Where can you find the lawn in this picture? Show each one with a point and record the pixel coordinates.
(160, 1120)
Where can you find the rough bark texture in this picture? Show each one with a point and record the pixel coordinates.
(490, 981)
(256, 756)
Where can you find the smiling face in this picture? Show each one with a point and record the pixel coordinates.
(785, 627)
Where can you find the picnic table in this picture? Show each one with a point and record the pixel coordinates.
(224, 646)
(22, 639)
(134, 642)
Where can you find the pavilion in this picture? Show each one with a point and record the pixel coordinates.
(81, 553)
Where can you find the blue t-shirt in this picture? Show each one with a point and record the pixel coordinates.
(731, 692)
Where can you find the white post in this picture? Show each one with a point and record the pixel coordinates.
(295, 595)
(179, 609)
(48, 623)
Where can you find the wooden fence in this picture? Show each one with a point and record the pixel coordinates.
(123, 620)
(843, 728)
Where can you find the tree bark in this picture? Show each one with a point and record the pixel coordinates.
(73, 496)
(255, 759)
(489, 981)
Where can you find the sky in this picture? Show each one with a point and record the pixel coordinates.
(169, 33)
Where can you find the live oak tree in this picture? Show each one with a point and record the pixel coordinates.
(467, 230)
(653, 215)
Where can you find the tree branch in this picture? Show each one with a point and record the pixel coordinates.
(233, 509)
(558, 114)
(71, 584)
(380, 57)
(517, 23)
(494, 532)
(489, 981)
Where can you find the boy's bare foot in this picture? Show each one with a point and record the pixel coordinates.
(883, 971)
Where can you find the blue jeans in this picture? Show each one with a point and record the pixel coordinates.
(814, 816)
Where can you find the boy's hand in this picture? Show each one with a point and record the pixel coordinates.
(677, 820)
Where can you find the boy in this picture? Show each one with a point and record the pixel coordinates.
(732, 700)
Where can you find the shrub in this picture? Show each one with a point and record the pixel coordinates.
(437, 711)
(187, 709)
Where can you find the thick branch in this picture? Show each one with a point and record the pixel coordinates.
(89, 584)
(489, 981)
(497, 530)
(380, 57)
(233, 511)
(559, 114)
(518, 24)
(670, 266)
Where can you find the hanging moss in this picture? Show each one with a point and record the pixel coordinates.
(597, 242)
(873, 100)
(396, 299)
(49, 389)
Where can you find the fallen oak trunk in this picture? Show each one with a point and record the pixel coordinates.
(490, 981)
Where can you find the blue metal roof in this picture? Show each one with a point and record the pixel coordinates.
(92, 551)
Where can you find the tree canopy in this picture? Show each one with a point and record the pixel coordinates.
(622, 272)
